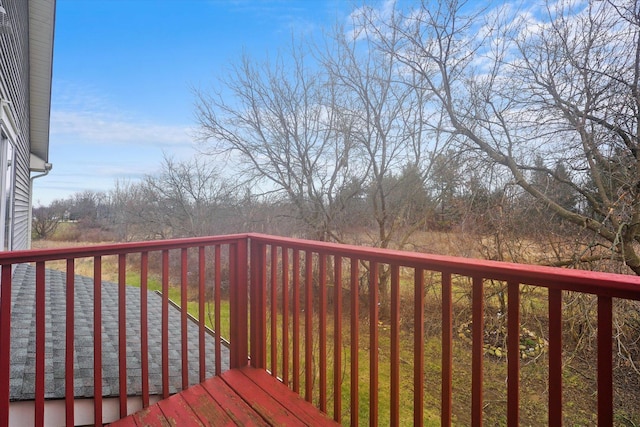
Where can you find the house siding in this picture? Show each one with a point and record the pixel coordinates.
(21, 236)
(14, 87)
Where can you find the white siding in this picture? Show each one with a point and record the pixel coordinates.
(14, 87)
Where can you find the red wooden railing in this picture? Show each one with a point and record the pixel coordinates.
(210, 254)
(298, 309)
(292, 299)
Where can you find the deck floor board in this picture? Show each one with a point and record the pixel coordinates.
(208, 410)
(233, 405)
(244, 396)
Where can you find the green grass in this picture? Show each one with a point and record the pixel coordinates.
(534, 373)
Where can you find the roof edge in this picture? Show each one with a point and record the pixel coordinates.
(41, 34)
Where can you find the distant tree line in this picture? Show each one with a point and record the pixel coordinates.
(192, 198)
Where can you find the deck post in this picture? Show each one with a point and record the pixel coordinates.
(258, 334)
(239, 354)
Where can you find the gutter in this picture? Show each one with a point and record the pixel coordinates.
(36, 165)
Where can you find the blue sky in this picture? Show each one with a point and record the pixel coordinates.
(124, 71)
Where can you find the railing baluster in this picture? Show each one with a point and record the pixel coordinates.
(40, 345)
(513, 354)
(354, 347)
(555, 357)
(233, 300)
(477, 351)
(184, 273)
(274, 310)
(165, 324)
(395, 345)
(605, 361)
(308, 326)
(296, 321)
(201, 318)
(418, 347)
(373, 343)
(5, 339)
(122, 334)
(243, 311)
(144, 333)
(337, 336)
(217, 281)
(447, 350)
(69, 344)
(322, 332)
(97, 340)
(285, 315)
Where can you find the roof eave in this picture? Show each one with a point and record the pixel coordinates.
(41, 30)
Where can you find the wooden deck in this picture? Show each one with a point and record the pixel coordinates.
(244, 396)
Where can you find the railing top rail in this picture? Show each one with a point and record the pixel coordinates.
(609, 284)
(616, 285)
(35, 255)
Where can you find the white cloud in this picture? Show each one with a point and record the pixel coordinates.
(85, 114)
(95, 142)
(359, 19)
(98, 127)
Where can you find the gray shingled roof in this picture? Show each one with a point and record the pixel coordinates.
(23, 339)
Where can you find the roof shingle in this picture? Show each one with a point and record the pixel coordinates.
(23, 339)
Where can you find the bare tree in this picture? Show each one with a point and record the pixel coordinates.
(46, 220)
(183, 199)
(325, 130)
(391, 126)
(134, 216)
(557, 83)
(189, 197)
(278, 120)
(548, 96)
